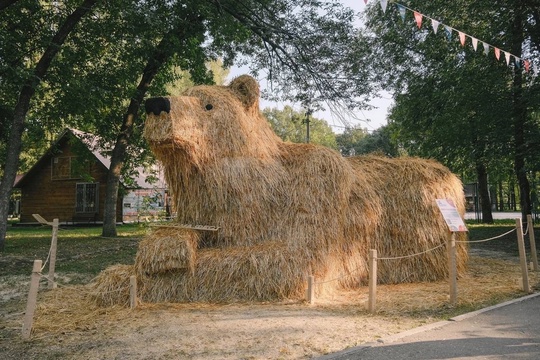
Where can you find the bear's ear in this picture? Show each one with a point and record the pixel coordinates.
(246, 89)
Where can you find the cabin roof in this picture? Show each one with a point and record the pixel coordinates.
(94, 144)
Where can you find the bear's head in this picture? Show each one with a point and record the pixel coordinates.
(207, 123)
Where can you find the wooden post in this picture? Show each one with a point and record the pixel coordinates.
(372, 280)
(32, 300)
(52, 256)
(132, 292)
(522, 256)
(452, 269)
(311, 290)
(532, 241)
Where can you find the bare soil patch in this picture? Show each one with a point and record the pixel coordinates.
(69, 326)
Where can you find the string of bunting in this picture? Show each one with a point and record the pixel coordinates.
(449, 31)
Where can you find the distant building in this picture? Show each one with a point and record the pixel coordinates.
(69, 183)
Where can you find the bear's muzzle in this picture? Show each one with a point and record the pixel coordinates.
(156, 105)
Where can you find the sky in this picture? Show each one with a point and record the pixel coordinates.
(369, 119)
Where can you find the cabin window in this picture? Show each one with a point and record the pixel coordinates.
(61, 167)
(69, 167)
(87, 198)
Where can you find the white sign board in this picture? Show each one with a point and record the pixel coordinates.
(451, 216)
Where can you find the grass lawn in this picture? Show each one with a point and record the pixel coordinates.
(80, 250)
(83, 251)
(506, 244)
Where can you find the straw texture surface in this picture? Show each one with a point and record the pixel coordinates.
(284, 211)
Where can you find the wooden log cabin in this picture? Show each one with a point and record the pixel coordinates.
(69, 182)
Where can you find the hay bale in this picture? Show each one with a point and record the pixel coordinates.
(284, 210)
(111, 286)
(409, 220)
(166, 249)
(265, 272)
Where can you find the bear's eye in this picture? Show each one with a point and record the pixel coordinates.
(208, 107)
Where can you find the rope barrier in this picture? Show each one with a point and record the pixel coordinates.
(46, 260)
(420, 253)
(322, 282)
(412, 255)
(385, 258)
(485, 240)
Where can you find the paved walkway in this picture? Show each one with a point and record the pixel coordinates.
(496, 215)
(506, 331)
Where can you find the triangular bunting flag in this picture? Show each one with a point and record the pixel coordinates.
(418, 18)
(474, 43)
(448, 30)
(401, 11)
(461, 38)
(486, 48)
(384, 4)
(365, 1)
(435, 25)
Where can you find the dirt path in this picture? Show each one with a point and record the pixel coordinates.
(68, 326)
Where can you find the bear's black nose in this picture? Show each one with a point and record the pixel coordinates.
(157, 105)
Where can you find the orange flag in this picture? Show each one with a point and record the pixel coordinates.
(461, 38)
(418, 18)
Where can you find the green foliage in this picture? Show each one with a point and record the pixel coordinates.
(305, 47)
(291, 125)
(183, 80)
(350, 138)
(357, 140)
(89, 65)
(452, 103)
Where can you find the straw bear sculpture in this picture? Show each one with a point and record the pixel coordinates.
(283, 211)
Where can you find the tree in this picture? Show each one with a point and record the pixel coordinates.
(464, 125)
(290, 125)
(293, 36)
(356, 141)
(348, 140)
(6, 3)
(453, 103)
(22, 106)
(302, 48)
(186, 29)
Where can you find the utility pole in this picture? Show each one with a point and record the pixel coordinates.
(306, 121)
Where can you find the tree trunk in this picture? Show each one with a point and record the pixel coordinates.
(118, 157)
(5, 3)
(513, 206)
(22, 107)
(115, 169)
(483, 192)
(501, 197)
(519, 113)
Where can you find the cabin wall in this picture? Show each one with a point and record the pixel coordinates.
(56, 198)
